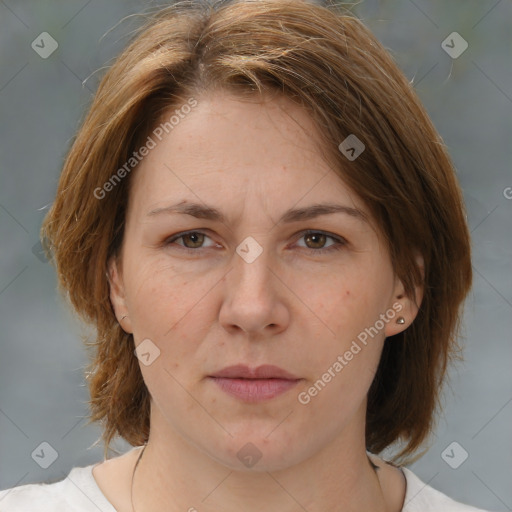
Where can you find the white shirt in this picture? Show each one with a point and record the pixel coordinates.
(79, 492)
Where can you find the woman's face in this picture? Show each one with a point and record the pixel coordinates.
(218, 270)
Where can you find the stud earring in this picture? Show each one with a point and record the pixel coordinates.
(400, 320)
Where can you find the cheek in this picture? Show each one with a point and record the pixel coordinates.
(346, 351)
(346, 301)
(345, 311)
(166, 304)
(171, 310)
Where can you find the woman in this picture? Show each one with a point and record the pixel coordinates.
(265, 229)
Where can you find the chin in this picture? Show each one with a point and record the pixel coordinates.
(260, 450)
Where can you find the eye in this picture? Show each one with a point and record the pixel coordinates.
(192, 240)
(315, 241)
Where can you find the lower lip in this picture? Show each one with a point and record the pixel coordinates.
(254, 390)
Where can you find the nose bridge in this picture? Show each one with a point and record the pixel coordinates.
(251, 265)
(251, 300)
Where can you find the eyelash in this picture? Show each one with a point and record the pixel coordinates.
(341, 242)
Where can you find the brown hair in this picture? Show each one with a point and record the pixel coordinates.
(327, 61)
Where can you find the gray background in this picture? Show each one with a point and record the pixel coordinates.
(42, 389)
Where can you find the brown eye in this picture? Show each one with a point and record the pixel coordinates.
(196, 239)
(192, 241)
(317, 240)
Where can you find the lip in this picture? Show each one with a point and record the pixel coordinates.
(254, 384)
(265, 371)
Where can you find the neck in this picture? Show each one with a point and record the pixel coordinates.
(174, 475)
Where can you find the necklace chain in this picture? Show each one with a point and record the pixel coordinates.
(133, 476)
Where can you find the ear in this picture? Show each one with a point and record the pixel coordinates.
(117, 294)
(404, 306)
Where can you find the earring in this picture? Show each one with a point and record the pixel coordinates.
(123, 318)
(400, 320)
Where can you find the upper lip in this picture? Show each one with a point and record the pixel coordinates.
(266, 371)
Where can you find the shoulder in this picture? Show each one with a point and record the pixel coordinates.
(420, 497)
(78, 492)
(38, 497)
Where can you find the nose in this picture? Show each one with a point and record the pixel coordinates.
(254, 297)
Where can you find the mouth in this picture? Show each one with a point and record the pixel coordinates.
(254, 384)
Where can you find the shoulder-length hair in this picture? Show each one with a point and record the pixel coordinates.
(327, 61)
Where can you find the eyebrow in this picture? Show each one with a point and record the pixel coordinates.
(201, 211)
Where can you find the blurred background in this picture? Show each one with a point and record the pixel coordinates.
(52, 55)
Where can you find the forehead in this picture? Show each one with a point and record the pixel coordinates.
(240, 151)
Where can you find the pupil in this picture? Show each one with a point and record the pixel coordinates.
(193, 237)
(316, 238)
